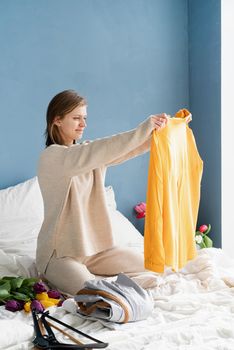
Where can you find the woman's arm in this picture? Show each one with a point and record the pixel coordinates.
(159, 122)
(145, 147)
(80, 158)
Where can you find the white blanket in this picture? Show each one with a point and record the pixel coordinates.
(17, 265)
(193, 309)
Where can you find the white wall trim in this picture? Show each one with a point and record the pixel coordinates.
(227, 125)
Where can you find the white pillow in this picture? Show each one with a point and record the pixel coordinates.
(21, 209)
(23, 201)
(110, 198)
(125, 233)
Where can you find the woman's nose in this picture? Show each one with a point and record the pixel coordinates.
(83, 122)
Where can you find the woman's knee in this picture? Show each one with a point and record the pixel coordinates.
(116, 260)
(67, 274)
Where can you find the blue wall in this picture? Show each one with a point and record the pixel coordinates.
(128, 58)
(205, 102)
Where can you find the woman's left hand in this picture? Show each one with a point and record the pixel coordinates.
(159, 121)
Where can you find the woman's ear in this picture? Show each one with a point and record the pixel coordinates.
(57, 121)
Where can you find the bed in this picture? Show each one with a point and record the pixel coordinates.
(193, 309)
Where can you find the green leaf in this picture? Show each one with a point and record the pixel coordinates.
(31, 295)
(4, 294)
(208, 242)
(16, 283)
(2, 282)
(19, 288)
(208, 230)
(8, 278)
(4, 290)
(29, 281)
(20, 296)
(26, 290)
(202, 245)
(5, 286)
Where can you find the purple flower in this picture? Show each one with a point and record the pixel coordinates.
(39, 287)
(13, 305)
(54, 294)
(36, 305)
(21, 304)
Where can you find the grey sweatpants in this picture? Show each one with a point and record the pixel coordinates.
(69, 274)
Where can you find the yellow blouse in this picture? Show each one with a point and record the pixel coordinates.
(173, 195)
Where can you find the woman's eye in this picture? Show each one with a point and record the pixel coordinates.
(78, 118)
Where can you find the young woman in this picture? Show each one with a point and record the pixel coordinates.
(75, 242)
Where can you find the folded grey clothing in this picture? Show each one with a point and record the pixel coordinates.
(118, 301)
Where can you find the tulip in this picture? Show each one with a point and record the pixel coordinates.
(21, 304)
(39, 287)
(54, 301)
(13, 305)
(203, 228)
(140, 207)
(140, 215)
(42, 296)
(27, 306)
(54, 294)
(48, 303)
(36, 305)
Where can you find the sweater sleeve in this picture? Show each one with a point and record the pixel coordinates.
(143, 148)
(81, 158)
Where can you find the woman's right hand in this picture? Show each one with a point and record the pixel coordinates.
(159, 121)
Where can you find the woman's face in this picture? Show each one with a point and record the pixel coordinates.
(72, 125)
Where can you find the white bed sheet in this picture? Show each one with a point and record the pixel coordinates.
(193, 309)
(17, 265)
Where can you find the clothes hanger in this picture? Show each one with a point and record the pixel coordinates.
(45, 337)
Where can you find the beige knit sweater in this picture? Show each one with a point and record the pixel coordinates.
(76, 218)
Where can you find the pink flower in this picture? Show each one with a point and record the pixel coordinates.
(140, 209)
(140, 215)
(203, 228)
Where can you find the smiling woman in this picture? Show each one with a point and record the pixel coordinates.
(66, 118)
(76, 243)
